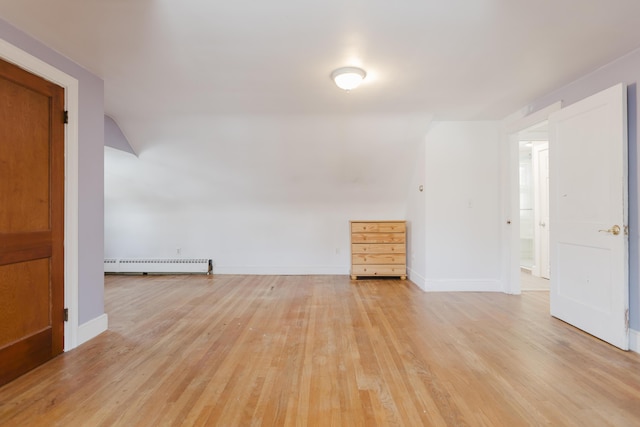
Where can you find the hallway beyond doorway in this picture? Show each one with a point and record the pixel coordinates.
(529, 282)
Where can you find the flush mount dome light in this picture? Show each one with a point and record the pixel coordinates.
(348, 78)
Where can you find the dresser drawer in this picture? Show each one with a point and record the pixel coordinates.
(378, 270)
(378, 248)
(377, 237)
(378, 227)
(378, 259)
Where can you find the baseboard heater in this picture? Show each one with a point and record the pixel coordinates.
(158, 266)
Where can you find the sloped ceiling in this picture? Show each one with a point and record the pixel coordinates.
(240, 90)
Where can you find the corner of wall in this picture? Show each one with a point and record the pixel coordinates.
(417, 279)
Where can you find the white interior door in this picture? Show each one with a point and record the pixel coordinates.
(541, 189)
(589, 243)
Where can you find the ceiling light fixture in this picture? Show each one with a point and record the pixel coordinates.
(348, 78)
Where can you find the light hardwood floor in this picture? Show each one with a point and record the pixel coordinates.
(529, 282)
(324, 350)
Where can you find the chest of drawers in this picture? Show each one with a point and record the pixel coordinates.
(378, 248)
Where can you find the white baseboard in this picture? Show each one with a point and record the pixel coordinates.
(92, 328)
(417, 278)
(634, 340)
(457, 285)
(282, 271)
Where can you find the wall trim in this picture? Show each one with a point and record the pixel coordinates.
(24, 60)
(92, 328)
(510, 196)
(533, 118)
(417, 279)
(634, 340)
(282, 270)
(462, 285)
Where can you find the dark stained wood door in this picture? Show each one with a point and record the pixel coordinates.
(31, 221)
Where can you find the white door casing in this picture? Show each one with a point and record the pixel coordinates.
(588, 200)
(511, 237)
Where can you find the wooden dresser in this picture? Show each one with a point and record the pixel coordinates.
(378, 248)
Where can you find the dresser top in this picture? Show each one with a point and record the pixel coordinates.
(373, 220)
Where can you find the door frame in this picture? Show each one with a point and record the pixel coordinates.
(511, 190)
(17, 56)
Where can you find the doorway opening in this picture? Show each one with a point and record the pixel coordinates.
(533, 167)
(589, 286)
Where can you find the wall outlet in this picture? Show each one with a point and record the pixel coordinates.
(179, 251)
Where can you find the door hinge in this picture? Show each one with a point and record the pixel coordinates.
(626, 319)
(66, 117)
(66, 314)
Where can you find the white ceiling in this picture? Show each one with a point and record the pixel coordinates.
(174, 70)
(455, 59)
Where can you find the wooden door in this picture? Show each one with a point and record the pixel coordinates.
(588, 186)
(31, 221)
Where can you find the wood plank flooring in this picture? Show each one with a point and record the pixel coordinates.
(326, 351)
(529, 282)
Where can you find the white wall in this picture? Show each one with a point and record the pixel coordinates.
(415, 216)
(274, 196)
(463, 207)
(259, 195)
(274, 238)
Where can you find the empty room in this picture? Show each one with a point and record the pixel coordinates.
(319, 213)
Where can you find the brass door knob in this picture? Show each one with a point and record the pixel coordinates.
(615, 230)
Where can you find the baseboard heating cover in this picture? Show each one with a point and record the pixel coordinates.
(166, 266)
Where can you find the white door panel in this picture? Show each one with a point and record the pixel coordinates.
(541, 166)
(588, 189)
